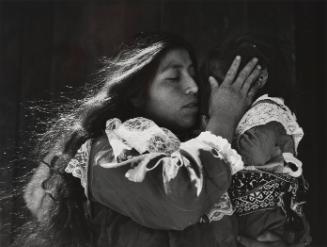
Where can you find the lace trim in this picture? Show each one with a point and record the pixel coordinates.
(143, 135)
(219, 210)
(223, 149)
(267, 109)
(289, 158)
(78, 165)
(139, 136)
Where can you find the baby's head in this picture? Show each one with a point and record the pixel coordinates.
(268, 132)
(219, 61)
(247, 46)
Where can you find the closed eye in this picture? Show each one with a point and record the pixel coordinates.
(173, 78)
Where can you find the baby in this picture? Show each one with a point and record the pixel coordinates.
(267, 194)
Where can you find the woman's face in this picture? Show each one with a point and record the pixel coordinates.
(173, 94)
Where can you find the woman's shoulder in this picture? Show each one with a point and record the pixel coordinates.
(122, 141)
(142, 135)
(130, 132)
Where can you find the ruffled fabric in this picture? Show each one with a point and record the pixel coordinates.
(224, 150)
(141, 137)
(144, 136)
(78, 165)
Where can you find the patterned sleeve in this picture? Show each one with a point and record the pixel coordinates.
(144, 172)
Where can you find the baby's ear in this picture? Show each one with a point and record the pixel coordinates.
(287, 144)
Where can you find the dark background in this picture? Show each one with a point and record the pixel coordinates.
(48, 48)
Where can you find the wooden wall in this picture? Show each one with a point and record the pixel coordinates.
(48, 47)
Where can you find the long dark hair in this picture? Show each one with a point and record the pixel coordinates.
(55, 198)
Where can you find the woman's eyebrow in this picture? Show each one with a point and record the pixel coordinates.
(174, 65)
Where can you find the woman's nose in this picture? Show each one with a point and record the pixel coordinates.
(191, 87)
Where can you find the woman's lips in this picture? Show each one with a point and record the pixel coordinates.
(192, 105)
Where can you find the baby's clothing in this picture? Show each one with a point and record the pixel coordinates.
(266, 201)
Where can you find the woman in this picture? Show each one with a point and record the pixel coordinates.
(142, 185)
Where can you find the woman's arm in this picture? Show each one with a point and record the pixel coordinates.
(162, 191)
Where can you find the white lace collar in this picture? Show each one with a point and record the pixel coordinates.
(267, 109)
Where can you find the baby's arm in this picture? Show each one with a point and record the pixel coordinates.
(259, 145)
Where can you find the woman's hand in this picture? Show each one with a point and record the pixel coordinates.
(229, 100)
(234, 94)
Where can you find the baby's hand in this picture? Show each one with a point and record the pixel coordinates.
(257, 146)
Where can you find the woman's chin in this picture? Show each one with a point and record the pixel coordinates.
(188, 122)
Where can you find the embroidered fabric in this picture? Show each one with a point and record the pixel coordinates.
(264, 187)
(267, 109)
(253, 191)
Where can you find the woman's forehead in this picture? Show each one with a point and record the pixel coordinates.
(177, 58)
